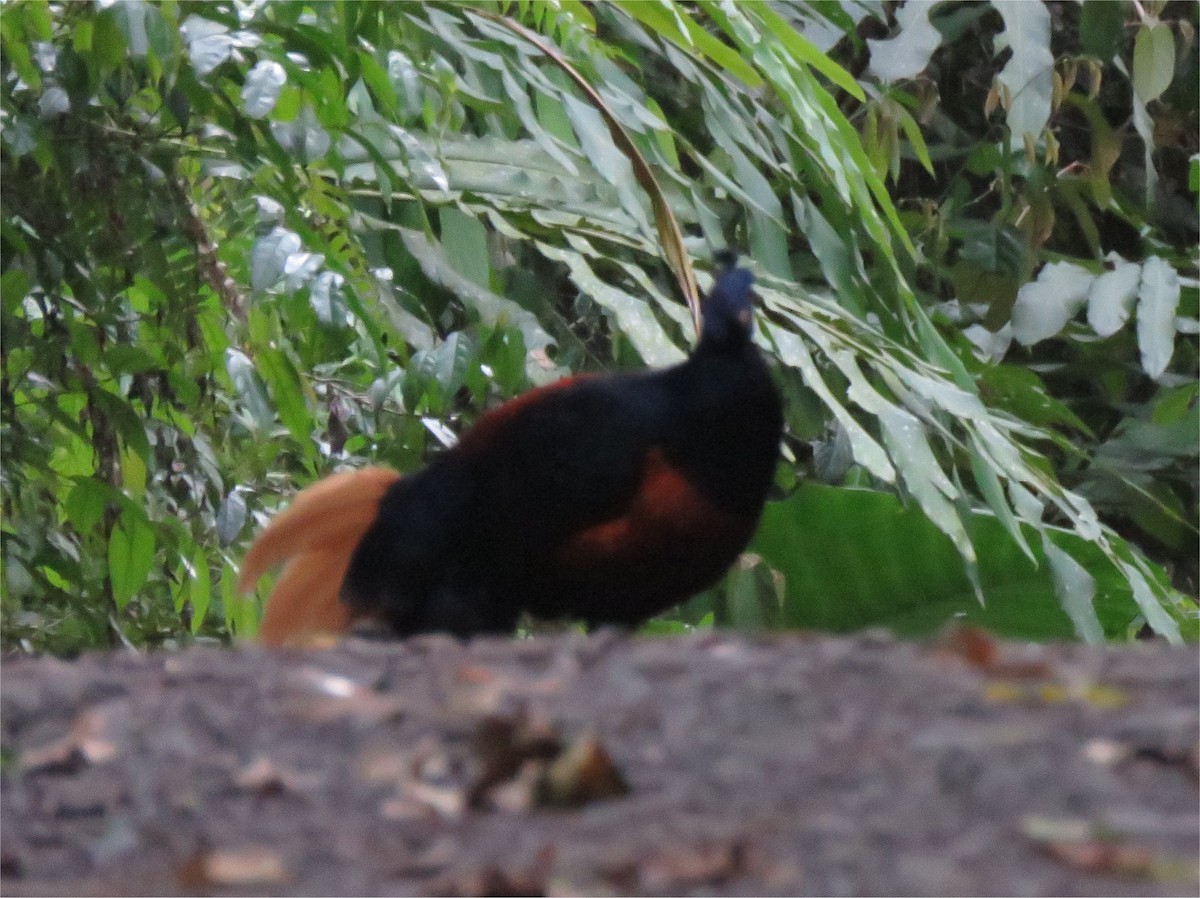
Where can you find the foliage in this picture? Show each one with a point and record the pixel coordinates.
(245, 244)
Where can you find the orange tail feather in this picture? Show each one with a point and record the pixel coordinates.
(316, 536)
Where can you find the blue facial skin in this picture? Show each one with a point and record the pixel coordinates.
(729, 307)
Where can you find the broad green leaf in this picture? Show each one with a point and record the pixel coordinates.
(231, 517)
(464, 240)
(632, 315)
(909, 449)
(1158, 299)
(1110, 299)
(86, 503)
(241, 612)
(666, 21)
(130, 556)
(492, 309)
(1102, 26)
(133, 474)
(131, 17)
(199, 591)
(1153, 60)
(209, 43)
(1028, 74)
(269, 258)
(1174, 404)
(1076, 589)
(14, 287)
(262, 87)
(324, 295)
(752, 596)
(288, 395)
(303, 137)
(855, 558)
(804, 50)
(1152, 608)
(907, 54)
(602, 152)
(866, 450)
(1044, 306)
(406, 81)
(249, 387)
(127, 422)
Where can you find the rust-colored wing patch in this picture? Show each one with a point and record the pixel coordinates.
(478, 436)
(667, 513)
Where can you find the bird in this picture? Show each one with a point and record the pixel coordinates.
(605, 499)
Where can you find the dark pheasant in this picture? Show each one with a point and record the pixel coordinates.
(601, 499)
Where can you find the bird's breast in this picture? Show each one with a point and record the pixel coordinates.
(668, 542)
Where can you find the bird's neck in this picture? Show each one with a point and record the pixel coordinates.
(727, 421)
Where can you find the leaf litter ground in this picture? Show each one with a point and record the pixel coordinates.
(709, 764)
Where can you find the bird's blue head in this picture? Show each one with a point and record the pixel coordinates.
(728, 309)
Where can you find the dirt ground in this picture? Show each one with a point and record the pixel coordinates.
(564, 765)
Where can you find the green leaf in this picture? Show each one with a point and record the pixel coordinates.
(108, 43)
(1102, 27)
(670, 23)
(1076, 589)
(1110, 299)
(1158, 299)
(907, 54)
(1153, 61)
(1022, 392)
(133, 474)
(913, 132)
(86, 502)
(1029, 73)
(464, 240)
(124, 420)
(130, 555)
(492, 309)
(209, 43)
(231, 517)
(14, 287)
(270, 256)
(262, 88)
(199, 591)
(1173, 404)
(631, 314)
(288, 394)
(241, 612)
(804, 51)
(249, 387)
(1045, 306)
(854, 558)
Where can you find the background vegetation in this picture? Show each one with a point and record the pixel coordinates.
(245, 244)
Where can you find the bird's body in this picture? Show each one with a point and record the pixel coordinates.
(603, 499)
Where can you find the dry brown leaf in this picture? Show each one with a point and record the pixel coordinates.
(92, 739)
(583, 773)
(242, 866)
(264, 776)
(690, 866)
(1102, 856)
(449, 801)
